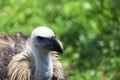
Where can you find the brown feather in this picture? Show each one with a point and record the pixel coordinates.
(9, 46)
(19, 68)
(58, 70)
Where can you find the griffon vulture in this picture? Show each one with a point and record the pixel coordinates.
(31, 58)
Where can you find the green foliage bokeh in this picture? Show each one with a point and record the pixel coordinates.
(88, 29)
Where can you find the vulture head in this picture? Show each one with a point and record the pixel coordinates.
(43, 39)
(36, 62)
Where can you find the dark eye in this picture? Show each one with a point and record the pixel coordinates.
(40, 38)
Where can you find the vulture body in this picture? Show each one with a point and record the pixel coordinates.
(31, 57)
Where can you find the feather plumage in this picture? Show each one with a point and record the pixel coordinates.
(58, 70)
(10, 45)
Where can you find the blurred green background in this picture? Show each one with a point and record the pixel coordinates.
(88, 29)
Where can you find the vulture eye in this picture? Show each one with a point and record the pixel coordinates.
(39, 38)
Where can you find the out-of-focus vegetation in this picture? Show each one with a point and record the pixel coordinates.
(89, 30)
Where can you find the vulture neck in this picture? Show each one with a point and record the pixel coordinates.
(43, 66)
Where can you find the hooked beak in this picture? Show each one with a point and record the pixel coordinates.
(57, 45)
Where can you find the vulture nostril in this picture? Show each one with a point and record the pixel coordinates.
(53, 38)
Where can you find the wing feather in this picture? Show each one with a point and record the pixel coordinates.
(9, 46)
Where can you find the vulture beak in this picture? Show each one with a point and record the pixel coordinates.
(57, 45)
